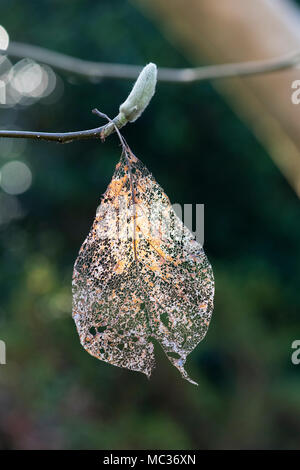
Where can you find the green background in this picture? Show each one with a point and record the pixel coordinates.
(54, 395)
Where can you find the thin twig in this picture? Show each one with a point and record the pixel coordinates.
(99, 70)
(129, 111)
(59, 137)
(66, 137)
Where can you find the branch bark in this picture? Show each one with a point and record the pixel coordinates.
(136, 102)
(61, 137)
(100, 70)
(129, 111)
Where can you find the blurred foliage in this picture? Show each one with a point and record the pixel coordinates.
(52, 393)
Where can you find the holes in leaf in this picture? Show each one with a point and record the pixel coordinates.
(92, 330)
(101, 329)
(164, 319)
(174, 355)
(150, 339)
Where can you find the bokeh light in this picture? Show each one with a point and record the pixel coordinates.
(4, 38)
(5, 69)
(29, 78)
(25, 82)
(15, 177)
(11, 148)
(10, 209)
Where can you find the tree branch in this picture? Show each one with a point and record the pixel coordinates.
(129, 111)
(60, 137)
(143, 89)
(99, 70)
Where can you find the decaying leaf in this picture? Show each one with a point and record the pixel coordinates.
(139, 276)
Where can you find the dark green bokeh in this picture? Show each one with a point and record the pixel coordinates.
(52, 393)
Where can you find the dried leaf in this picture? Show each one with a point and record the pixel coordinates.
(139, 276)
